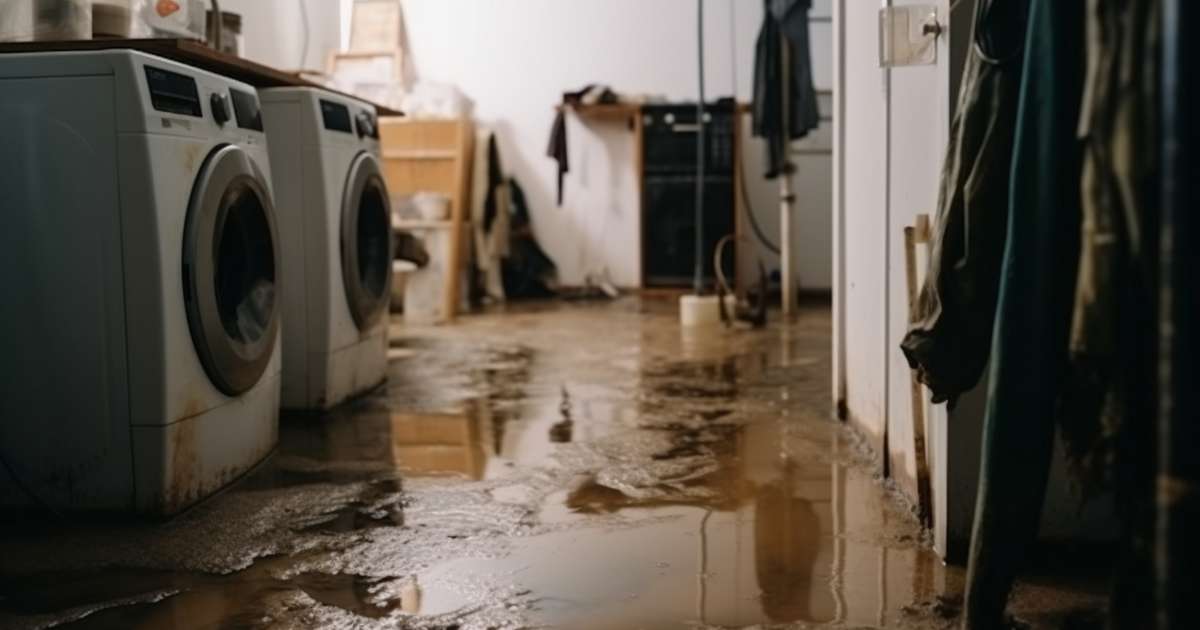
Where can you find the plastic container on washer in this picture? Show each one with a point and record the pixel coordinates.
(119, 18)
(174, 18)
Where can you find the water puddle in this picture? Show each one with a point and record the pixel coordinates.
(517, 473)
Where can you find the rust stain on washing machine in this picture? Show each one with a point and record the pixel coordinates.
(192, 155)
(184, 481)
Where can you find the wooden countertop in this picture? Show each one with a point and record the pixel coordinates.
(193, 53)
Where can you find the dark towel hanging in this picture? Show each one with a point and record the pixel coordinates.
(558, 148)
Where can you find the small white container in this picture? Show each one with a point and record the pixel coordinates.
(432, 206)
(699, 310)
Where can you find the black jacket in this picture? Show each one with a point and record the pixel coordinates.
(784, 32)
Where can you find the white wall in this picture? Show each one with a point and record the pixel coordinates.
(515, 58)
(863, 156)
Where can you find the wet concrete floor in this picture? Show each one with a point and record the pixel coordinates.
(575, 466)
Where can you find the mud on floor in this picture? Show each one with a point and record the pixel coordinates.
(582, 467)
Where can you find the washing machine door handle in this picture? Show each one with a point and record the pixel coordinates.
(230, 270)
(366, 242)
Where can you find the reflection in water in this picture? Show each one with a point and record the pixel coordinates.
(787, 536)
(439, 443)
(560, 432)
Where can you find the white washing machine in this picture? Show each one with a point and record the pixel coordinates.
(139, 264)
(336, 243)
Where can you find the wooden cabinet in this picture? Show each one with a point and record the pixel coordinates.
(429, 156)
(434, 155)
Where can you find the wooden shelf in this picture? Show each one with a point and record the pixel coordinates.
(419, 154)
(612, 112)
(193, 53)
(425, 224)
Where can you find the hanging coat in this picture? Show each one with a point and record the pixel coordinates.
(785, 101)
(1107, 406)
(951, 331)
(1029, 363)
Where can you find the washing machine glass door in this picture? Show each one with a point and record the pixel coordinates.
(230, 266)
(366, 242)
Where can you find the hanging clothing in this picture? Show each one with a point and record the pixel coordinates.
(1178, 512)
(558, 149)
(1118, 262)
(1029, 362)
(491, 229)
(951, 332)
(785, 101)
(1113, 392)
(528, 272)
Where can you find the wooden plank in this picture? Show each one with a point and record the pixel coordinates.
(408, 177)
(193, 53)
(466, 139)
(924, 484)
(416, 134)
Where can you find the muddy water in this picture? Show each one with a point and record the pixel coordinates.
(579, 467)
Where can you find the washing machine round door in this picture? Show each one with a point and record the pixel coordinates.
(366, 242)
(230, 270)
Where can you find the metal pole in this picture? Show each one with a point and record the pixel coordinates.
(786, 197)
(698, 278)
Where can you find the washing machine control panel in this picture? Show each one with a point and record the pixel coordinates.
(173, 93)
(177, 96)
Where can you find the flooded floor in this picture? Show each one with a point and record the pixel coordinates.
(575, 466)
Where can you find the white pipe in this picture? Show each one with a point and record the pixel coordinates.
(786, 198)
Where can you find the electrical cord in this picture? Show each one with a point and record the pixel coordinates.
(722, 281)
(759, 233)
(218, 30)
(305, 32)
